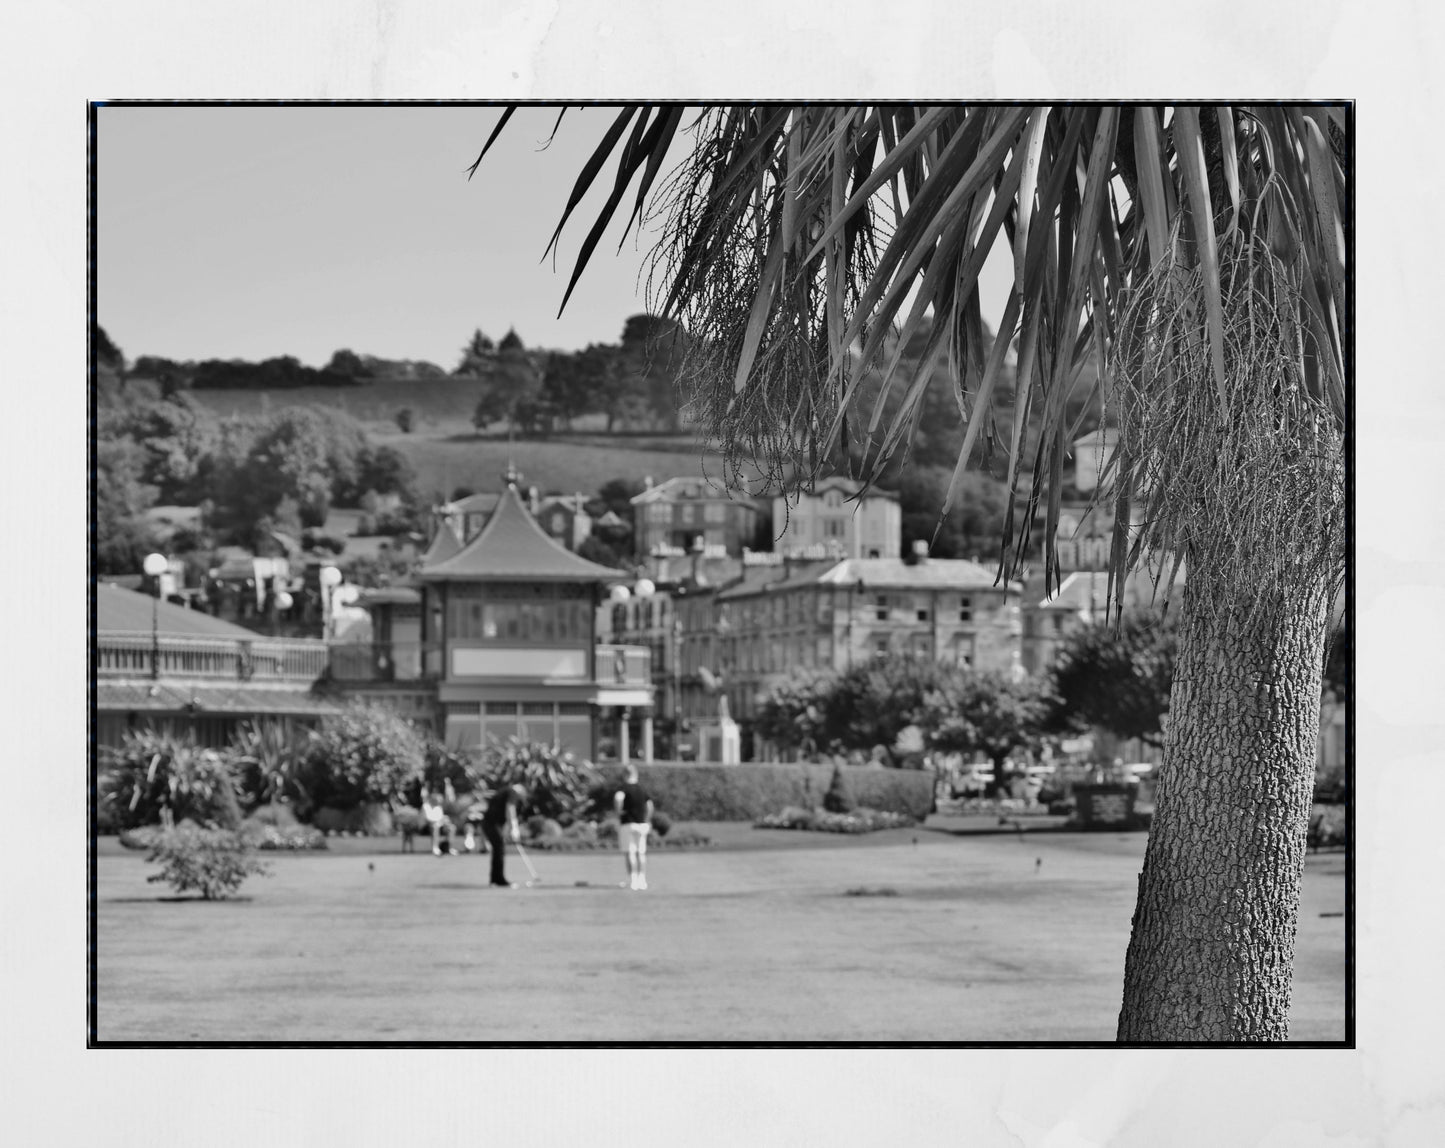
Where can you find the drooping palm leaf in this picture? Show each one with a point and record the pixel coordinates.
(806, 246)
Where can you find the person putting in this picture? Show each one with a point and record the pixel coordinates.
(502, 810)
(634, 812)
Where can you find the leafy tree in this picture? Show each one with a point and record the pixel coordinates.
(510, 388)
(794, 713)
(649, 361)
(973, 526)
(477, 356)
(1118, 677)
(174, 432)
(348, 363)
(1200, 253)
(990, 713)
(123, 536)
(108, 356)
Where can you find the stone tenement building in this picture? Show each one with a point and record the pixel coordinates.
(831, 615)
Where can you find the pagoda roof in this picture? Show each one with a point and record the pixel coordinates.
(445, 545)
(513, 547)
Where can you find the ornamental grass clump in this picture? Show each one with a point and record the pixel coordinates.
(153, 778)
(213, 862)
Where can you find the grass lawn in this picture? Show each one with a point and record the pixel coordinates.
(769, 936)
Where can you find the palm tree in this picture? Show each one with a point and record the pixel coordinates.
(1199, 255)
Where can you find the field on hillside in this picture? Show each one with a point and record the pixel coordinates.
(437, 405)
(565, 466)
(447, 453)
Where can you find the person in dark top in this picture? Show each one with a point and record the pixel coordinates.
(502, 810)
(634, 812)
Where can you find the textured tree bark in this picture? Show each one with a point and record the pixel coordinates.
(1212, 949)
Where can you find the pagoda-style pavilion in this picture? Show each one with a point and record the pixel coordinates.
(508, 626)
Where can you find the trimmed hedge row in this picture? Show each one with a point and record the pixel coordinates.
(689, 791)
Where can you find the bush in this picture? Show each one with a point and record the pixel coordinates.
(367, 754)
(214, 862)
(707, 792)
(839, 798)
(558, 784)
(151, 777)
(267, 759)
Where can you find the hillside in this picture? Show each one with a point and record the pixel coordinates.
(446, 451)
(437, 405)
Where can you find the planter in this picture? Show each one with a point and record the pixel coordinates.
(1106, 806)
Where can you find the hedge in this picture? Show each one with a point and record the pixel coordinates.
(689, 791)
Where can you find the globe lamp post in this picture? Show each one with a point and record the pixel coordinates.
(154, 566)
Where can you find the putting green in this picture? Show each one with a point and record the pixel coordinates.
(956, 938)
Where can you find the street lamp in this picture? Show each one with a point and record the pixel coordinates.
(155, 565)
(330, 578)
(283, 602)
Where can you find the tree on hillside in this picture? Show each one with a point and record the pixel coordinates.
(510, 388)
(123, 536)
(1118, 677)
(108, 356)
(1200, 252)
(477, 355)
(974, 523)
(649, 360)
(174, 433)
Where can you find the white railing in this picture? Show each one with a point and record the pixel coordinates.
(269, 659)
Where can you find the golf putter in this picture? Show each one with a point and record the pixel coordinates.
(527, 862)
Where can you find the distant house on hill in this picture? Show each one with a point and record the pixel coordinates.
(671, 516)
(831, 518)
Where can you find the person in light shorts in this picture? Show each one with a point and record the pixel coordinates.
(634, 812)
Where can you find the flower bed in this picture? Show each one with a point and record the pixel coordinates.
(821, 821)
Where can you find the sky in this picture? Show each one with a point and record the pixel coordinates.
(251, 232)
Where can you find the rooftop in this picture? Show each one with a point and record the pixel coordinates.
(512, 547)
(120, 610)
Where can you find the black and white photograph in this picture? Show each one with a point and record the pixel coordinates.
(756, 573)
(919, 556)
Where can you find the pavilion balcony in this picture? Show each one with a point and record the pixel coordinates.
(624, 665)
(386, 661)
(120, 654)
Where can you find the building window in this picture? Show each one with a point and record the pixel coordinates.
(880, 608)
(965, 609)
(922, 612)
(689, 513)
(963, 651)
(715, 512)
(880, 647)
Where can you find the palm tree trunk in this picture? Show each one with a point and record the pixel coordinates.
(1212, 949)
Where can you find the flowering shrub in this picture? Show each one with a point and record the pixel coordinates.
(822, 821)
(213, 862)
(366, 754)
